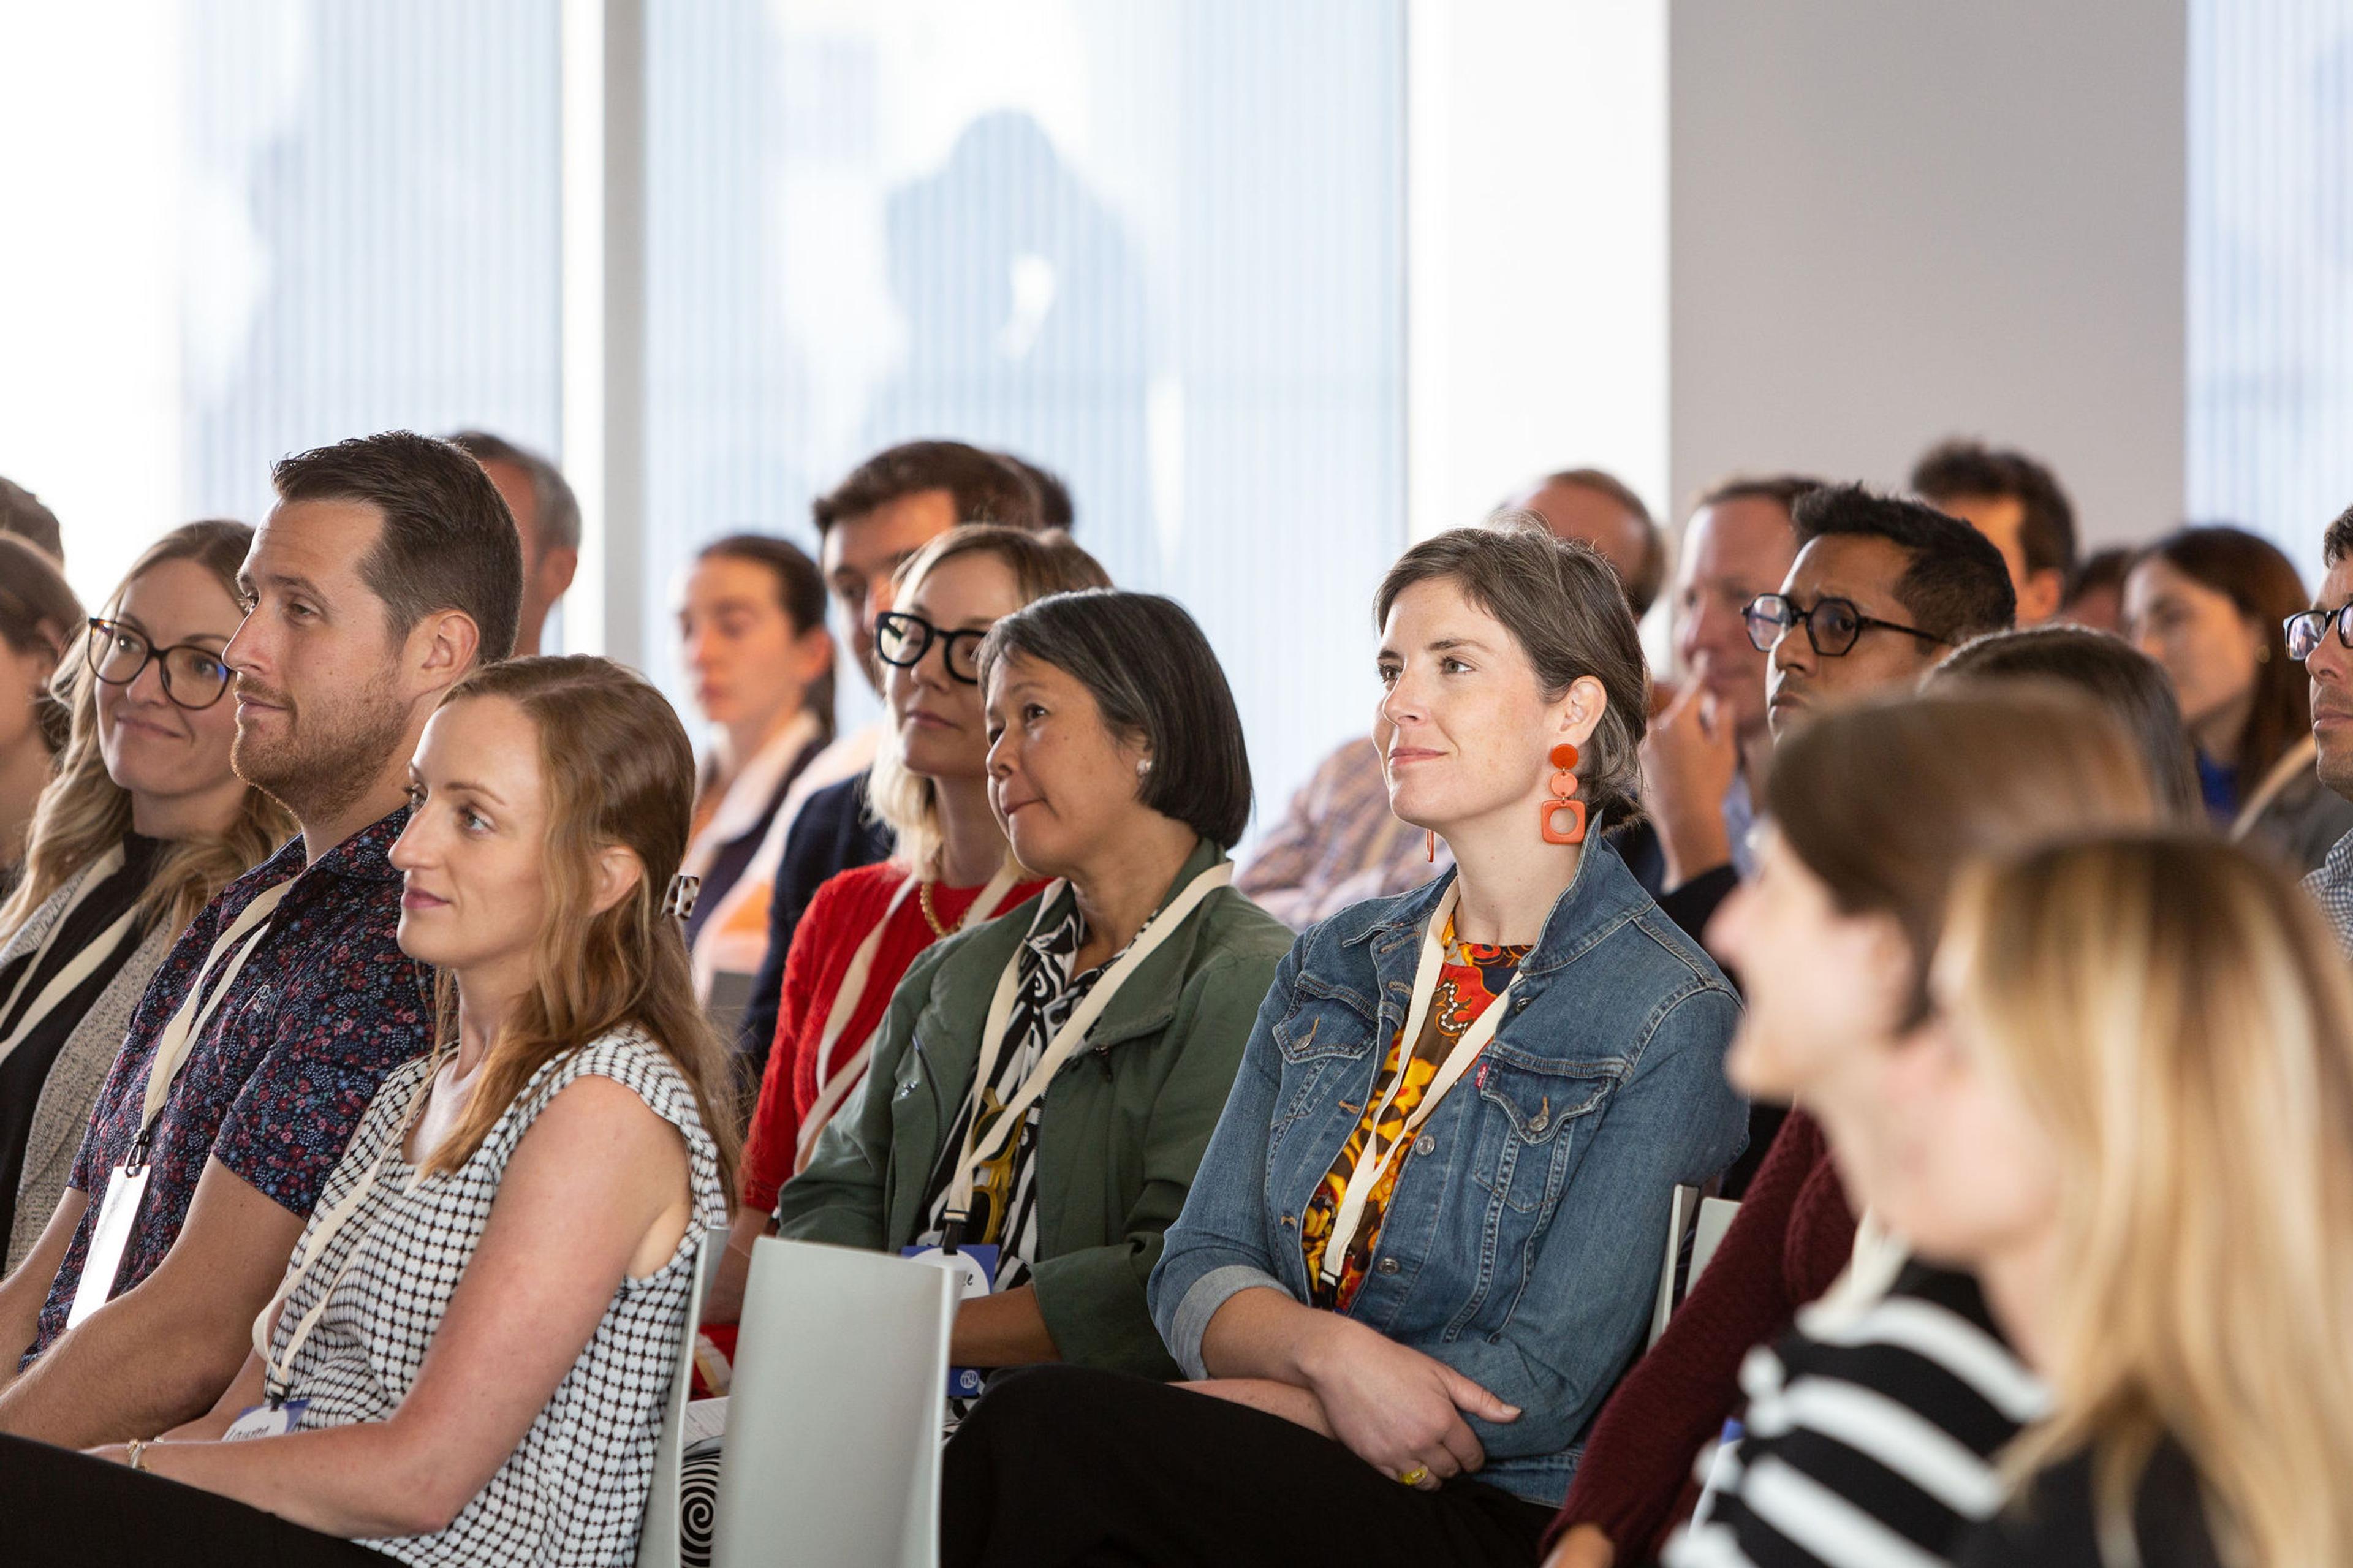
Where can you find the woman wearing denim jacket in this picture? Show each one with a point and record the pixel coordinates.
(1423, 1240)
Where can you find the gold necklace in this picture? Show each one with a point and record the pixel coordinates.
(931, 915)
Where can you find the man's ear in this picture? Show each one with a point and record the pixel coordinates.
(556, 571)
(619, 872)
(442, 647)
(813, 651)
(2039, 595)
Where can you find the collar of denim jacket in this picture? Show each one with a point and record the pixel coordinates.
(1600, 898)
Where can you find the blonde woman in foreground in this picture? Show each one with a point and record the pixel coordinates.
(2137, 1133)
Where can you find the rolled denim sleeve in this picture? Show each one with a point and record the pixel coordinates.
(1218, 1247)
(1675, 1122)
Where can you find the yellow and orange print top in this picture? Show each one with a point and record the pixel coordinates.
(1468, 980)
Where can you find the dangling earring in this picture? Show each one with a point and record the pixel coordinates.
(1564, 791)
(1430, 835)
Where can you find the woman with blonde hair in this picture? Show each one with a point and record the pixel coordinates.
(2136, 1133)
(144, 823)
(950, 867)
(469, 1358)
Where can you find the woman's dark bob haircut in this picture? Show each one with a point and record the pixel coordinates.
(1563, 604)
(1153, 676)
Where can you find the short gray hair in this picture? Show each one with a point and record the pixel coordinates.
(557, 510)
(1563, 603)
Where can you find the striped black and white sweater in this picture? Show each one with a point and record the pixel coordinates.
(1869, 1436)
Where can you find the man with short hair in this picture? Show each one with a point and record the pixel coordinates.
(2324, 640)
(1604, 511)
(1881, 589)
(868, 526)
(22, 514)
(388, 570)
(1339, 844)
(547, 516)
(2016, 502)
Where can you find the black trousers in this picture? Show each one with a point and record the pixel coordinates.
(1065, 1466)
(58, 1507)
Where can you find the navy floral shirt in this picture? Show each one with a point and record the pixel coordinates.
(275, 1085)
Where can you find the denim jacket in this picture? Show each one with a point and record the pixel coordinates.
(1522, 1240)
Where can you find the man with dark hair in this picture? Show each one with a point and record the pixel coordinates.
(22, 514)
(1881, 589)
(2095, 590)
(388, 569)
(2323, 639)
(1339, 844)
(888, 508)
(547, 516)
(2014, 502)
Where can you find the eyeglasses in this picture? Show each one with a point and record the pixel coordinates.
(903, 639)
(193, 677)
(2305, 630)
(1833, 626)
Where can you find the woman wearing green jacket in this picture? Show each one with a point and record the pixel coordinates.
(1043, 1085)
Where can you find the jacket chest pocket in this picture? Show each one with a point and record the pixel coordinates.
(1318, 1043)
(1531, 1113)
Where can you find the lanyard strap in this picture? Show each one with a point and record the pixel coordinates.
(836, 1079)
(81, 967)
(314, 1246)
(1377, 1157)
(978, 1150)
(179, 1035)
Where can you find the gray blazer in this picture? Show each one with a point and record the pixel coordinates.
(78, 1074)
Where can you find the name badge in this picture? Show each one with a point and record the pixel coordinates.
(107, 1241)
(976, 1268)
(266, 1421)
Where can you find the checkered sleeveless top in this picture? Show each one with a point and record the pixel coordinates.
(574, 1490)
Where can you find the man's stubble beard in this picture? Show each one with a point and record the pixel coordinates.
(333, 755)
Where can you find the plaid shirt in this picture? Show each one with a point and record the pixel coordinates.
(275, 1085)
(1339, 846)
(2331, 888)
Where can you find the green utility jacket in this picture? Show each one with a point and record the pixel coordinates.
(1120, 1136)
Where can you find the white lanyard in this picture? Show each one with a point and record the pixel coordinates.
(978, 1150)
(1377, 1156)
(836, 1079)
(81, 968)
(316, 1245)
(179, 1035)
(126, 1186)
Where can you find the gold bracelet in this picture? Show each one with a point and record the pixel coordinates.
(137, 1458)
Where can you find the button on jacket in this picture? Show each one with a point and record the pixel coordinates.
(1521, 1243)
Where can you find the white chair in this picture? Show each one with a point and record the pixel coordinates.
(657, 1537)
(1680, 1207)
(1715, 1216)
(832, 1456)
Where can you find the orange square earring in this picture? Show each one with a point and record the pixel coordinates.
(1564, 792)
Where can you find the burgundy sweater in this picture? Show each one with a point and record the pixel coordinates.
(1792, 1237)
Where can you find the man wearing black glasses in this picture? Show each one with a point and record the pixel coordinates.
(2322, 640)
(1881, 589)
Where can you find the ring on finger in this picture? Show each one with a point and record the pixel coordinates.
(1416, 1476)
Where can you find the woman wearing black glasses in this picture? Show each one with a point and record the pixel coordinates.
(950, 869)
(144, 823)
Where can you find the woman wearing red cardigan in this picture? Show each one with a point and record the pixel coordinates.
(950, 865)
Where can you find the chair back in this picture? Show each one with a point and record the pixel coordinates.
(657, 1537)
(1683, 1201)
(832, 1454)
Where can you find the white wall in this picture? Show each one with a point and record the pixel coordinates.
(1892, 221)
(1536, 249)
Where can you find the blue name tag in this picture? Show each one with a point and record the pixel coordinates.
(976, 1267)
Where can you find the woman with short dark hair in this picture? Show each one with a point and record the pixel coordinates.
(1424, 1241)
(1043, 1084)
(39, 618)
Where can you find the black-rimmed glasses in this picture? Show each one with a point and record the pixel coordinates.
(903, 639)
(193, 677)
(2306, 629)
(1833, 626)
